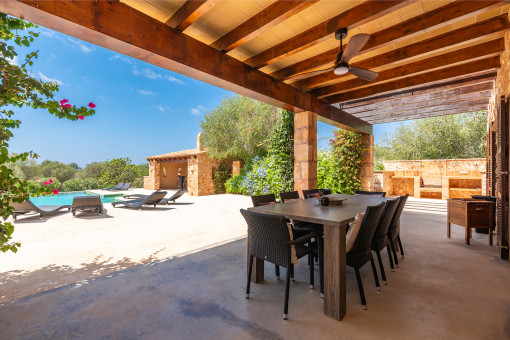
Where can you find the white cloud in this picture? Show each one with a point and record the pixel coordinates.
(146, 92)
(14, 61)
(162, 108)
(47, 79)
(146, 73)
(84, 48)
(47, 33)
(173, 79)
(197, 110)
(121, 58)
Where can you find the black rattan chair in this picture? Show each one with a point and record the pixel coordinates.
(269, 240)
(263, 200)
(373, 193)
(292, 195)
(361, 251)
(309, 193)
(380, 240)
(325, 191)
(394, 230)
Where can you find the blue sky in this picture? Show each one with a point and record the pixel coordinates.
(142, 110)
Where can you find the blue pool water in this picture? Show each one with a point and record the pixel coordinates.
(64, 198)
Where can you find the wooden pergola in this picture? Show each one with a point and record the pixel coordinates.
(433, 58)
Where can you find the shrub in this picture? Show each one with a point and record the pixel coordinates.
(220, 176)
(339, 168)
(92, 170)
(119, 170)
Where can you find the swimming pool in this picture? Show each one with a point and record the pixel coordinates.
(66, 198)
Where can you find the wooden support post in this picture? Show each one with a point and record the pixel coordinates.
(305, 151)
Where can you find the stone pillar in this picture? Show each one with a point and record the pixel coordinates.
(153, 180)
(305, 151)
(236, 167)
(367, 166)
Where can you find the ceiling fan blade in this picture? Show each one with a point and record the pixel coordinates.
(354, 46)
(363, 74)
(307, 74)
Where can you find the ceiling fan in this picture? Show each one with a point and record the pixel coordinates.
(341, 66)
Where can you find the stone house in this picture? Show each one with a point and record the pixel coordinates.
(194, 164)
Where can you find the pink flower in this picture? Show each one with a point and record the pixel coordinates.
(63, 101)
(46, 183)
(80, 117)
(92, 105)
(47, 193)
(67, 105)
(51, 181)
(55, 191)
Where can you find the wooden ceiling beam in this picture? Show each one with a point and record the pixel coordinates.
(460, 82)
(435, 113)
(121, 28)
(405, 107)
(266, 19)
(365, 12)
(422, 48)
(189, 12)
(446, 14)
(474, 67)
(490, 48)
(446, 95)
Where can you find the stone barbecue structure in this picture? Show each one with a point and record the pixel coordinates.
(194, 164)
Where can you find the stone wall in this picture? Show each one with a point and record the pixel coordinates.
(367, 167)
(378, 180)
(152, 182)
(437, 167)
(200, 171)
(236, 167)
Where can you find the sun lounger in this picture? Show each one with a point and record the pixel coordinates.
(43, 210)
(153, 199)
(172, 199)
(126, 186)
(138, 196)
(88, 204)
(117, 187)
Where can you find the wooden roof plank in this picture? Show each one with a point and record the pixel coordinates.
(446, 14)
(268, 18)
(474, 67)
(357, 16)
(435, 113)
(435, 44)
(404, 107)
(189, 12)
(426, 97)
(493, 47)
(128, 32)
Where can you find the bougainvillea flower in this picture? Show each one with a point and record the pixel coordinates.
(51, 181)
(46, 183)
(63, 101)
(67, 105)
(92, 105)
(80, 117)
(55, 191)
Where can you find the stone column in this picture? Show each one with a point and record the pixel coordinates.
(236, 167)
(305, 151)
(367, 166)
(153, 180)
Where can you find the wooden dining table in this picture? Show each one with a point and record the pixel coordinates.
(334, 218)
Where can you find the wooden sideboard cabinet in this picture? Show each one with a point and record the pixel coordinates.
(470, 213)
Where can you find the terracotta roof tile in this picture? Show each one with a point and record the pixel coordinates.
(182, 153)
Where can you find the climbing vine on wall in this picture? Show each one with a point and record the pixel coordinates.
(339, 167)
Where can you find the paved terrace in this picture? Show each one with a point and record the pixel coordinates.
(121, 276)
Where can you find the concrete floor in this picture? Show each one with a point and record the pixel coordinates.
(442, 290)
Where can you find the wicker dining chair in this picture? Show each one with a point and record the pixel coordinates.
(372, 193)
(380, 240)
(394, 231)
(361, 251)
(299, 226)
(325, 191)
(309, 193)
(269, 240)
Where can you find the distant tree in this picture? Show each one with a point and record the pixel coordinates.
(239, 128)
(444, 137)
(119, 170)
(74, 166)
(27, 169)
(143, 169)
(58, 170)
(92, 170)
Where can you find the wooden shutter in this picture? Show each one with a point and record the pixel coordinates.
(502, 178)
